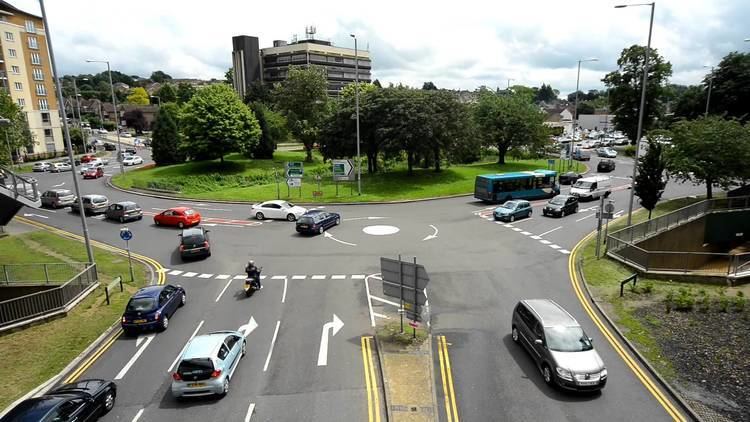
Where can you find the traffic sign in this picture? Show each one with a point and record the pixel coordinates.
(294, 182)
(125, 234)
(609, 207)
(294, 169)
(605, 215)
(342, 170)
(413, 324)
(317, 193)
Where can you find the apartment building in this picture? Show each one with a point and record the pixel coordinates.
(26, 74)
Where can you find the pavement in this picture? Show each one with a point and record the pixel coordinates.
(478, 268)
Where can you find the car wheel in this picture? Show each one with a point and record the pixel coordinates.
(109, 401)
(259, 215)
(547, 374)
(338, 221)
(244, 348)
(529, 215)
(183, 300)
(225, 387)
(164, 323)
(290, 217)
(180, 225)
(514, 334)
(122, 219)
(512, 218)
(320, 230)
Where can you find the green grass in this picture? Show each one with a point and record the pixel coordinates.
(253, 180)
(35, 354)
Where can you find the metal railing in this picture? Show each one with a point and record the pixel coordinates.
(740, 265)
(39, 273)
(48, 301)
(19, 185)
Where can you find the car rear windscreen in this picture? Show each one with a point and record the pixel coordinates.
(305, 220)
(195, 369)
(141, 304)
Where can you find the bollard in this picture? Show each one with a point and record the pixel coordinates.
(106, 293)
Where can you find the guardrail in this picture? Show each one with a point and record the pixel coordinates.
(19, 185)
(39, 273)
(51, 300)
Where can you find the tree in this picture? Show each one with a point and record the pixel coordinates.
(258, 92)
(429, 86)
(712, 150)
(166, 139)
(649, 182)
(76, 139)
(160, 77)
(572, 96)
(585, 107)
(545, 94)
(185, 92)
(229, 76)
(136, 120)
(376, 82)
(216, 122)
(167, 93)
(303, 99)
(625, 89)
(18, 134)
(731, 86)
(138, 96)
(691, 103)
(272, 130)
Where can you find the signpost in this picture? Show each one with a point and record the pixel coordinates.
(342, 172)
(605, 211)
(126, 235)
(406, 281)
(294, 172)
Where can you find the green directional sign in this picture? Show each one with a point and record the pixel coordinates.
(294, 169)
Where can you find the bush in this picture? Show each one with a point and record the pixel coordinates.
(391, 333)
(668, 301)
(739, 302)
(684, 300)
(629, 151)
(703, 302)
(723, 301)
(109, 126)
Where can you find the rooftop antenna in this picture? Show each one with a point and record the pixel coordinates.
(310, 32)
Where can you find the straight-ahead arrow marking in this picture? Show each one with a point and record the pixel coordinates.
(432, 236)
(335, 325)
(249, 327)
(330, 236)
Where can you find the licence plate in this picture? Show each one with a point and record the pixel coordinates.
(303, 226)
(196, 384)
(588, 382)
(139, 321)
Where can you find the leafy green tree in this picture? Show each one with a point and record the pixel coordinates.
(166, 139)
(136, 120)
(545, 94)
(259, 92)
(18, 134)
(229, 76)
(270, 133)
(731, 86)
(167, 93)
(76, 138)
(138, 96)
(712, 150)
(625, 89)
(376, 82)
(216, 122)
(185, 92)
(429, 86)
(649, 182)
(303, 99)
(585, 107)
(690, 103)
(160, 77)
(449, 124)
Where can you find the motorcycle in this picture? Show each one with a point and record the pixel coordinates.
(252, 284)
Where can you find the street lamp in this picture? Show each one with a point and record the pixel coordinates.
(356, 107)
(509, 79)
(117, 117)
(575, 112)
(78, 106)
(710, 85)
(60, 100)
(158, 98)
(643, 104)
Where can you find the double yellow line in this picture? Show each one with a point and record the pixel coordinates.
(451, 410)
(161, 278)
(371, 381)
(645, 379)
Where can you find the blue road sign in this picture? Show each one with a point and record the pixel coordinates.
(125, 234)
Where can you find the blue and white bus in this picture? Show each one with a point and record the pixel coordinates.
(503, 187)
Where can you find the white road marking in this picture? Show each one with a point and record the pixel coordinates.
(525, 233)
(35, 215)
(299, 277)
(190, 274)
(283, 294)
(58, 185)
(338, 277)
(175, 272)
(278, 277)
(330, 236)
(239, 276)
(524, 220)
(381, 315)
(535, 237)
(248, 328)
(581, 219)
(163, 270)
(364, 218)
(205, 276)
(135, 357)
(431, 236)
(250, 410)
(212, 209)
(380, 299)
(510, 226)
(200, 324)
(545, 242)
(262, 277)
(334, 327)
(565, 251)
(554, 246)
(137, 416)
(369, 300)
(270, 350)
(318, 277)
(550, 231)
(223, 290)
(358, 276)
(516, 229)
(158, 209)
(499, 222)
(222, 276)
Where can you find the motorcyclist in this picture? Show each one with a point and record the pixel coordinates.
(253, 273)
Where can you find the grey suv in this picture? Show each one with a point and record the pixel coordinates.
(559, 346)
(92, 204)
(123, 211)
(57, 198)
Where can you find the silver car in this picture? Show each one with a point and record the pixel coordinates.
(208, 363)
(92, 204)
(57, 198)
(559, 346)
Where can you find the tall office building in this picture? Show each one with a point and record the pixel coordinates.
(271, 64)
(26, 75)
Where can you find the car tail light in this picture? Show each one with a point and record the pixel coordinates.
(215, 373)
(124, 319)
(176, 376)
(205, 244)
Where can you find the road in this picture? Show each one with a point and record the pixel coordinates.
(479, 270)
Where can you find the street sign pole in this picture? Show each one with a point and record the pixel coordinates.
(599, 226)
(130, 261)
(416, 301)
(276, 177)
(401, 283)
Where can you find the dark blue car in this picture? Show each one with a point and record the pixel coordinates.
(151, 307)
(317, 221)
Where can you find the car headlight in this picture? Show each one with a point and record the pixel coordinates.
(603, 374)
(564, 374)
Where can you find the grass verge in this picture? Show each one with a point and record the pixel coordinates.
(37, 353)
(390, 333)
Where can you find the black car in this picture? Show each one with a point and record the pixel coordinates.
(569, 178)
(110, 147)
(560, 206)
(317, 221)
(84, 400)
(194, 243)
(605, 166)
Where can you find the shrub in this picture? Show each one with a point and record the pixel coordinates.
(723, 300)
(668, 301)
(684, 300)
(647, 287)
(703, 301)
(629, 151)
(739, 302)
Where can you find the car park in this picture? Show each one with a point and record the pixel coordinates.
(132, 160)
(605, 166)
(58, 198)
(60, 167)
(513, 210)
(93, 173)
(569, 178)
(277, 209)
(41, 166)
(151, 307)
(124, 211)
(83, 400)
(194, 243)
(562, 351)
(92, 204)
(208, 363)
(592, 187)
(560, 206)
(178, 216)
(317, 221)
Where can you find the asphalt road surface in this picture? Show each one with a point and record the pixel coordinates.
(479, 269)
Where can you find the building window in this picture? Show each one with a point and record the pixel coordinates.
(18, 85)
(8, 36)
(12, 52)
(33, 43)
(15, 69)
(43, 105)
(21, 102)
(45, 117)
(47, 133)
(30, 27)
(41, 89)
(35, 58)
(38, 75)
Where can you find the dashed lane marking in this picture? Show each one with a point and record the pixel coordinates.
(175, 272)
(358, 277)
(545, 242)
(565, 251)
(222, 276)
(239, 276)
(338, 277)
(205, 276)
(535, 237)
(525, 233)
(299, 277)
(190, 274)
(318, 277)
(278, 277)
(555, 246)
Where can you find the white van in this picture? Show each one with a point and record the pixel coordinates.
(594, 187)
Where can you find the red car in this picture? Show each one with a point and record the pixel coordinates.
(87, 157)
(178, 216)
(93, 173)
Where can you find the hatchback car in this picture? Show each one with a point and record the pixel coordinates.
(208, 363)
(90, 165)
(92, 204)
(513, 210)
(560, 348)
(569, 178)
(560, 206)
(60, 167)
(277, 210)
(58, 198)
(606, 152)
(87, 157)
(194, 243)
(84, 400)
(605, 166)
(151, 307)
(317, 221)
(132, 160)
(110, 147)
(93, 173)
(124, 211)
(178, 216)
(41, 166)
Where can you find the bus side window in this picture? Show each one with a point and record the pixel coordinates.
(497, 186)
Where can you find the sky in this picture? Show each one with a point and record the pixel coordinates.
(456, 45)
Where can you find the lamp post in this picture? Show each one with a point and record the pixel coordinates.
(61, 102)
(158, 98)
(117, 116)
(508, 87)
(78, 106)
(356, 107)
(575, 112)
(710, 85)
(643, 103)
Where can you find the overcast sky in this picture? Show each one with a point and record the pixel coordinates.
(453, 44)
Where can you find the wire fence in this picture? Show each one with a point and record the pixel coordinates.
(55, 273)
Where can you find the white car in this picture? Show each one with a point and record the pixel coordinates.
(276, 209)
(60, 167)
(91, 164)
(132, 160)
(41, 166)
(126, 135)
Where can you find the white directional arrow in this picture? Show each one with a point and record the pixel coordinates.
(432, 236)
(249, 327)
(336, 325)
(35, 215)
(330, 236)
(58, 185)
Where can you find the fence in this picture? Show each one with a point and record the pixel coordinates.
(39, 273)
(19, 185)
(52, 300)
